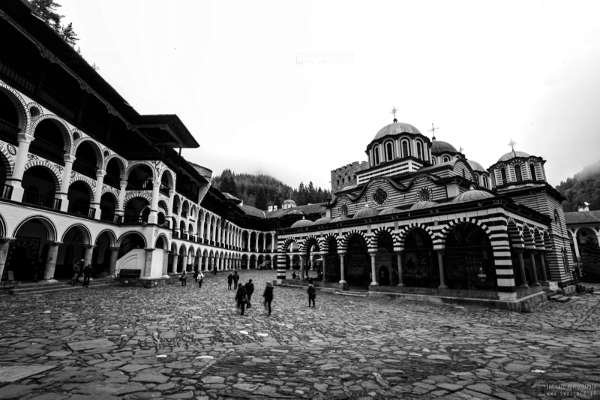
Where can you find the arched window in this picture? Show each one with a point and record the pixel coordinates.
(518, 174)
(389, 151)
(503, 175)
(485, 182)
(405, 149)
(420, 151)
(434, 160)
(344, 210)
(532, 171)
(446, 159)
(376, 155)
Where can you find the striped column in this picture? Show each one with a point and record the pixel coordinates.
(505, 279)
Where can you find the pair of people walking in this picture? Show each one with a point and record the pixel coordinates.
(80, 268)
(243, 296)
(199, 277)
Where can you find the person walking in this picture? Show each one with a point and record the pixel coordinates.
(268, 295)
(183, 278)
(241, 298)
(229, 281)
(249, 291)
(312, 294)
(236, 279)
(196, 275)
(77, 270)
(199, 279)
(87, 274)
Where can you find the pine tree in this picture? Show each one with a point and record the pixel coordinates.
(69, 35)
(47, 11)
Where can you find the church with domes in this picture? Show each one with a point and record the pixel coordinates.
(419, 217)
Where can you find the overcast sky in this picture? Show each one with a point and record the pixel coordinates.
(297, 88)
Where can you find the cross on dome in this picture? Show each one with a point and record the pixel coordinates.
(394, 111)
(432, 130)
(512, 145)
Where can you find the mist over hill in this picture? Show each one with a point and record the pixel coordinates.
(261, 190)
(584, 186)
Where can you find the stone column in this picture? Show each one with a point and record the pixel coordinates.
(534, 269)
(153, 216)
(522, 269)
(256, 242)
(399, 261)
(4, 245)
(576, 244)
(51, 261)
(66, 180)
(302, 265)
(19, 168)
(373, 255)
(174, 265)
(87, 255)
(98, 192)
(120, 211)
(342, 282)
(114, 254)
(543, 265)
(440, 257)
(324, 263)
(148, 263)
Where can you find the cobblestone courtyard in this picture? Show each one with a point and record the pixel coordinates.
(175, 342)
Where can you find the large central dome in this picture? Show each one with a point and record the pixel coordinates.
(396, 128)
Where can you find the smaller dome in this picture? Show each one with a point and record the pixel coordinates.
(476, 166)
(439, 147)
(514, 154)
(365, 212)
(322, 220)
(389, 210)
(472, 195)
(422, 204)
(302, 223)
(340, 218)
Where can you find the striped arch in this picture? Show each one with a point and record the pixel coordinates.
(137, 233)
(343, 245)
(514, 234)
(111, 234)
(81, 227)
(20, 104)
(401, 237)
(165, 240)
(324, 241)
(308, 242)
(144, 194)
(134, 164)
(8, 160)
(64, 129)
(96, 146)
(377, 233)
(52, 232)
(91, 188)
(34, 161)
(286, 245)
(440, 240)
(121, 160)
(528, 238)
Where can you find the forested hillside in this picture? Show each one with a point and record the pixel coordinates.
(584, 186)
(261, 190)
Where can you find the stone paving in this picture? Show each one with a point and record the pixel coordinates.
(190, 343)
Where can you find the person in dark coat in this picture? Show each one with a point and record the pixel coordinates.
(241, 298)
(87, 274)
(236, 278)
(312, 294)
(183, 278)
(229, 281)
(249, 291)
(268, 295)
(77, 271)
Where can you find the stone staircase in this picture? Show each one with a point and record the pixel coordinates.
(33, 288)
